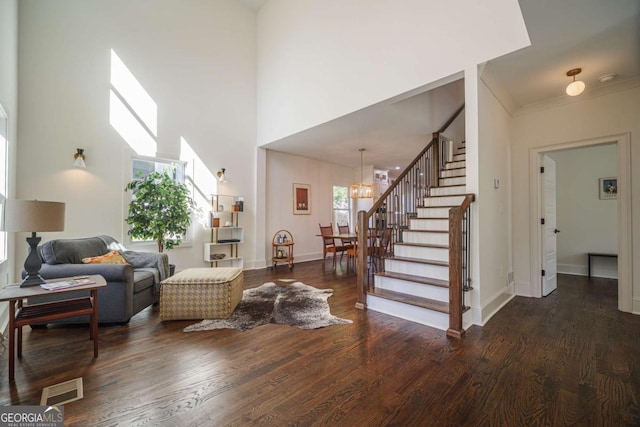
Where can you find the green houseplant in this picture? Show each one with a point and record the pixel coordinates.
(160, 210)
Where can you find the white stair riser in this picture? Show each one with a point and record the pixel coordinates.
(422, 252)
(433, 212)
(460, 180)
(448, 191)
(454, 165)
(452, 173)
(425, 238)
(417, 269)
(418, 289)
(443, 201)
(459, 157)
(429, 224)
(435, 319)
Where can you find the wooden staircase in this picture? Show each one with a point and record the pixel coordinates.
(415, 282)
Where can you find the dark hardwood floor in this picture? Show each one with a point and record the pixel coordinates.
(567, 359)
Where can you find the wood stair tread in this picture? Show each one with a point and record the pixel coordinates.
(427, 303)
(428, 231)
(446, 195)
(419, 261)
(450, 185)
(422, 245)
(415, 279)
(434, 217)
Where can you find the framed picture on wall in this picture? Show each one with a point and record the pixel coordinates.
(608, 188)
(301, 199)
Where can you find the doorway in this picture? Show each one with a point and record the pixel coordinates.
(623, 204)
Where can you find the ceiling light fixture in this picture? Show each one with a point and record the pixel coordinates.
(607, 78)
(576, 87)
(361, 191)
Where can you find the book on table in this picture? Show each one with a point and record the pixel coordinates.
(64, 284)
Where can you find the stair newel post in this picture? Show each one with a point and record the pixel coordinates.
(455, 273)
(435, 160)
(362, 281)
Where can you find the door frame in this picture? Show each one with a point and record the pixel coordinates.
(625, 243)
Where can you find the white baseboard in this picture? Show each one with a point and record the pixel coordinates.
(494, 304)
(599, 270)
(523, 290)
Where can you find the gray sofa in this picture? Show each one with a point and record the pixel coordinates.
(130, 288)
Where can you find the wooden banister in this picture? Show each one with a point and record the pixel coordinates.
(456, 258)
(392, 210)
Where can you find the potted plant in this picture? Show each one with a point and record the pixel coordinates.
(160, 210)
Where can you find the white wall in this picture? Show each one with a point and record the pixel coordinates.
(195, 59)
(9, 101)
(282, 171)
(493, 205)
(311, 52)
(586, 223)
(577, 120)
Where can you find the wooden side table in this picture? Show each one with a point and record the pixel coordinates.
(21, 315)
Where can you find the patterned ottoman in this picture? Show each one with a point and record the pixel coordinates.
(201, 293)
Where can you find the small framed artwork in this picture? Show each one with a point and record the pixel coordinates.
(608, 188)
(301, 199)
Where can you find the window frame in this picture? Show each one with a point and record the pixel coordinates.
(4, 141)
(181, 176)
(335, 209)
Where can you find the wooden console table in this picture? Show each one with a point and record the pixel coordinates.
(21, 315)
(596, 254)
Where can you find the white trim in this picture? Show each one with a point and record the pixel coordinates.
(625, 244)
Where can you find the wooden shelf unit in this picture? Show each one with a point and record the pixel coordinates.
(226, 233)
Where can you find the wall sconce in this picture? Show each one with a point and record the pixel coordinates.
(78, 158)
(221, 178)
(576, 87)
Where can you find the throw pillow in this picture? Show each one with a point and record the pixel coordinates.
(112, 257)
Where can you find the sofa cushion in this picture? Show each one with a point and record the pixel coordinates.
(142, 280)
(71, 251)
(111, 257)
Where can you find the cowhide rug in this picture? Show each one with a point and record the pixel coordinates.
(294, 304)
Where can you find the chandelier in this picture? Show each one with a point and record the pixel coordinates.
(361, 191)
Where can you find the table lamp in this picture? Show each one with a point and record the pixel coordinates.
(33, 216)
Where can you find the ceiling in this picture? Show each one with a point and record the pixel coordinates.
(600, 36)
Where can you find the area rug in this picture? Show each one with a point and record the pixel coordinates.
(294, 304)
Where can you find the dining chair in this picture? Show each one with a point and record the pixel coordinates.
(381, 249)
(352, 255)
(346, 243)
(329, 244)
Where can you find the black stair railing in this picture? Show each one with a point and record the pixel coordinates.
(382, 226)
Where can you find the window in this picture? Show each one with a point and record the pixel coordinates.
(340, 205)
(143, 166)
(3, 177)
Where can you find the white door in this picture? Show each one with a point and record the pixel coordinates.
(549, 230)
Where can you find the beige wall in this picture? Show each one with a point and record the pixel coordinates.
(311, 52)
(195, 59)
(282, 171)
(493, 205)
(578, 119)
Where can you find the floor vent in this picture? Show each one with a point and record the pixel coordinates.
(59, 394)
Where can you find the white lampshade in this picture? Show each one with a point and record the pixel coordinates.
(33, 215)
(575, 88)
